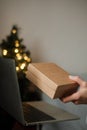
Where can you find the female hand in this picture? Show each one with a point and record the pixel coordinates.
(79, 97)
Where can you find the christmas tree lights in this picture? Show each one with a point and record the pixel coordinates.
(12, 47)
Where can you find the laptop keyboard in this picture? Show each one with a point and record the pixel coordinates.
(32, 114)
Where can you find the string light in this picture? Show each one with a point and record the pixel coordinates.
(22, 66)
(17, 68)
(16, 43)
(29, 59)
(19, 56)
(5, 52)
(14, 31)
(16, 50)
(26, 58)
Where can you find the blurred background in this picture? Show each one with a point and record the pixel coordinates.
(53, 31)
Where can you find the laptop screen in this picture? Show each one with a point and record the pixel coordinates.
(10, 99)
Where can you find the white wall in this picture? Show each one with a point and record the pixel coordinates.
(54, 31)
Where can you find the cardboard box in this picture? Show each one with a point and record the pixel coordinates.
(51, 79)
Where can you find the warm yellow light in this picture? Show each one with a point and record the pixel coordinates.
(17, 68)
(19, 56)
(17, 43)
(28, 59)
(5, 52)
(25, 57)
(16, 50)
(14, 31)
(23, 66)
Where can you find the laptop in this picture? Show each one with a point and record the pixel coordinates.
(26, 113)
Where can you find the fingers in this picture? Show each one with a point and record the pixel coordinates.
(76, 79)
(77, 102)
(72, 98)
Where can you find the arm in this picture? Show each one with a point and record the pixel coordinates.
(79, 97)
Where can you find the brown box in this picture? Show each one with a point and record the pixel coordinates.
(51, 79)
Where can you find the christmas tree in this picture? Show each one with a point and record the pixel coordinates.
(13, 48)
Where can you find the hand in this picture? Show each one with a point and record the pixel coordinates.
(79, 97)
